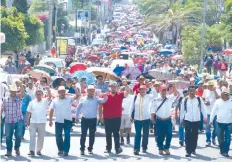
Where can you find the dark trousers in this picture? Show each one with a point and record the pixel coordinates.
(164, 130)
(112, 125)
(63, 144)
(139, 125)
(2, 127)
(191, 135)
(224, 137)
(88, 124)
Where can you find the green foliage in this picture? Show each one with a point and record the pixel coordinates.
(62, 18)
(13, 27)
(21, 5)
(39, 6)
(191, 41)
(3, 2)
(35, 30)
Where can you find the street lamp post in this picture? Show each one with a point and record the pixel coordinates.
(203, 37)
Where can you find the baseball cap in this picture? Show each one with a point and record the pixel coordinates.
(225, 90)
(113, 84)
(61, 88)
(90, 87)
(211, 83)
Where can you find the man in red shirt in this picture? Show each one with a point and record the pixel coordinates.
(200, 89)
(223, 67)
(141, 81)
(112, 112)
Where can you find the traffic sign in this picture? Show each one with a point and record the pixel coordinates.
(83, 15)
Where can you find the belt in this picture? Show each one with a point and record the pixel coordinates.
(163, 118)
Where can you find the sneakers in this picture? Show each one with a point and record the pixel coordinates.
(65, 154)
(161, 152)
(17, 152)
(119, 150)
(31, 153)
(39, 153)
(8, 154)
(167, 152)
(144, 151)
(188, 155)
(90, 152)
(208, 144)
(60, 152)
(136, 152)
(122, 141)
(107, 151)
(225, 155)
(214, 142)
(82, 152)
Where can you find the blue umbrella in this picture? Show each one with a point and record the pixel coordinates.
(166, 52)
(84, 74)
(122, 48)
(118, 70)
(103, 53)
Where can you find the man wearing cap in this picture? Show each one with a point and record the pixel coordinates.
(190, 115)
(112, 113)
(36, 120)
(13, 118)
(63, 112)
(141, 81)
(88, 106)
(161, 115)
(209, 97)
(223, 110)
(141, 117)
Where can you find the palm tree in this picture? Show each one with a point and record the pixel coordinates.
(174, 20)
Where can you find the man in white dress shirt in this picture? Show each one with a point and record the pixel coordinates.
(63, 112)
(141, 111)
(36, 119)
(190, 115)
(223, 109)
(161, 114)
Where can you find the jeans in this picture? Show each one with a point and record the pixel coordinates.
(2, 128)
(24, 122)
(139, 125)
(224, 137)
(88, 124)
(16, 129)
(201, 123)
(191, 135)
(63, 144)
(181, 131)
(112, 125)
(208, 130)
(164, 130)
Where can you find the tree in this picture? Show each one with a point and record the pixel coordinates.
(35, 30)
(39, 6)
(191, 41)
(21, 5)
(13, 27)
(62, 18)
(3, 2)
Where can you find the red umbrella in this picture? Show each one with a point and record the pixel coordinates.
(93, 58)
(228, 51)
(76, 66)
(139, 59)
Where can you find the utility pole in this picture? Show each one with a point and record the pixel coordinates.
(89, 16)
(50, 24)
(203, 37)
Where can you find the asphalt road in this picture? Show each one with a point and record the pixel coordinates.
(50, 150)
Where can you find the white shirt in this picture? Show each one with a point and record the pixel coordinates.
(127, 104)
(38, 110)
(193, 111)
(165, 109)
(223, 110)
(210, 97)
(62, 109)
(142, 107)
(31, 92)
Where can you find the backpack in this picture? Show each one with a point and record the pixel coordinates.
(185, 103)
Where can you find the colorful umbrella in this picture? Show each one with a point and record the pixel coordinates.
(166, 52)
(76, 66)
(84, 74)
(139, 60)
(93, 58)
(50, 70)
(39, 74)
(228, 51)
(104, 72)
(177, 57)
